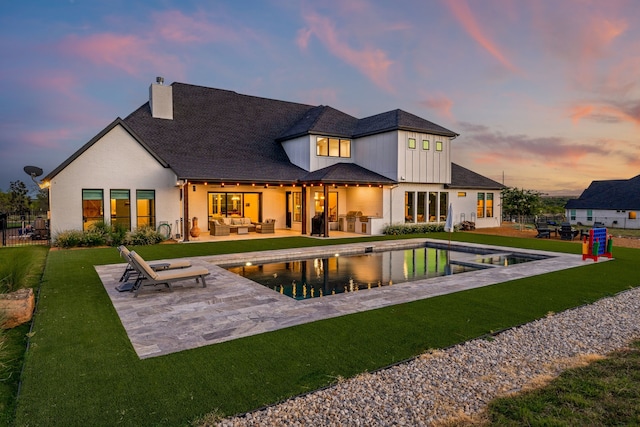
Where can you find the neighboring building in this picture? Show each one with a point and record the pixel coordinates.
(193, 151)
(614, 203)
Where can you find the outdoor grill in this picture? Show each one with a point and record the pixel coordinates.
(352, 216)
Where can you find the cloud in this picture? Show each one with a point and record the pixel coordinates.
(442, 104)
(370, 61)
(129, 53)
(467, 20)
(607, 112)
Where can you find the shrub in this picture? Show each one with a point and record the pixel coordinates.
(422, 228)
(144, 236)
(68, 238)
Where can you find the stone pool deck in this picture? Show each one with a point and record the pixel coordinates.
(160, 322)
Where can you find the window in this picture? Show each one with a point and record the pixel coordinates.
(121, 209)
(425, 144)
(146, 208)
(462, 194)
(589, 215)
(234, 204)
(318, 199)
(92, 208)
(412, 143)
(444, 206)
(489, 201)
(422, 206)
(297, 207)
(333, 147)
(632, 214)
(480, 206)
(433, 206)
(573, 214)
(409, 206)
(438, 145)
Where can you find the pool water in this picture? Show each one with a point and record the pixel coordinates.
(319, 277)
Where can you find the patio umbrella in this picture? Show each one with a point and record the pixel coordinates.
(448, 225)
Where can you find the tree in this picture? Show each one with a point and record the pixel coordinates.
(520, 203)
(18, 199)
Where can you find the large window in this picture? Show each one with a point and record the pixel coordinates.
(480, 206)
(235, 205)
(92, 207)
(409, 206)
(121, 209)
(318, 200)
(433, 206)
(297, 206)
(422, 206)
(485, 205)
(333, 147)
(444, 206)
(146, 208)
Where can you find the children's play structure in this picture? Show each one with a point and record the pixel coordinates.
(597, 244)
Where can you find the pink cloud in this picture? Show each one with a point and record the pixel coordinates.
(176, 27)
(467, 20)
(370, 61)
(441, 104)
(46, 138)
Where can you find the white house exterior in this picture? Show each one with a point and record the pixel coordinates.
(208, 153)
(613, 203)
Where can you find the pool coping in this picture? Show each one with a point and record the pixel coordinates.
(159, 322)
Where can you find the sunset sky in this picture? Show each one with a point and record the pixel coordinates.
(545, 94)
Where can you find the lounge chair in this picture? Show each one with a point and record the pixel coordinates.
(148, 276)
(170, 265)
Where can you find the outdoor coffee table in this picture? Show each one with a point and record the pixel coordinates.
(243, 230)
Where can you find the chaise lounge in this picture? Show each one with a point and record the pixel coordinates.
(149, 277)
(170, 265)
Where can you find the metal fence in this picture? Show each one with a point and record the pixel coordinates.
(24, 229)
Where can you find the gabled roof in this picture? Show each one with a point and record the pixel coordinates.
(399, 120)
(465, 178)
(323, 120)
(618, 194)
(117, 122)
(222, 135)
(346, 173)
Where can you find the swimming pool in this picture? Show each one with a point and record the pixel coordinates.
(321, 276)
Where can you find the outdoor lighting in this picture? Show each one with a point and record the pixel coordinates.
(248, 264)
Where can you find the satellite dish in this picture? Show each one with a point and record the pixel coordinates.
(33, 171)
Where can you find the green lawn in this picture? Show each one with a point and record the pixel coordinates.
(81, 369)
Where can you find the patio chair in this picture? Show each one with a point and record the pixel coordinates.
(567, 232)
(543, 230)
(124, 254)
(269, 226)
(40, 229)
(149, 277)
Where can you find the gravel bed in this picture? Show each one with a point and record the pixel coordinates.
(463, 379)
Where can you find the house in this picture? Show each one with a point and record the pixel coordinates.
(193, 151)
(614, 203)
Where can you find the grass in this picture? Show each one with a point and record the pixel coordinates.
(19, 268)
(82, 370)
(604, 393)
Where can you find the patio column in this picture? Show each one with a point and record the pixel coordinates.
(185, 222)
(303, 202)
(326, 210)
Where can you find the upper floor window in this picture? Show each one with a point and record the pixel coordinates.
(412, 143)
(438, 145)
(425, 144)
(333, 147)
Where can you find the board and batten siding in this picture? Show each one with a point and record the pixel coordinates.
(423, 166)
(115, 162)
(378, 153)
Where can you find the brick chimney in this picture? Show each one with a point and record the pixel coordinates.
(161, 100)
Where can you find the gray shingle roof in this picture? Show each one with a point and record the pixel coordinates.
(618, 194)
(464, 178)
(398, 120)
(346, 173)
